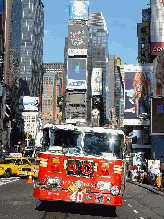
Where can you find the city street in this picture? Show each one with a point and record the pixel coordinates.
(17, 201)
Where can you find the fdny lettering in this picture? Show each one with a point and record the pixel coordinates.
(67, 182)
(51, 193)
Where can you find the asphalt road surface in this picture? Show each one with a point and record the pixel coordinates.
(17, 201)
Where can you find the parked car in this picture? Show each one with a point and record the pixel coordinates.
(10, 166)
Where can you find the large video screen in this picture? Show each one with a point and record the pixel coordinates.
(79, 10)
(157, 116)
(77, 73)
(138, 90)
(78, 36)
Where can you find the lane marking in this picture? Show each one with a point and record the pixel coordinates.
(130, 205)
(135, 211)
(141, 217)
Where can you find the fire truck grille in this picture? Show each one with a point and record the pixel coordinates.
(82, 168)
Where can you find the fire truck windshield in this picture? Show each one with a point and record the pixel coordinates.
(103, 144)
(69, 140)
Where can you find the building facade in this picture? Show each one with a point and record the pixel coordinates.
(52, 90)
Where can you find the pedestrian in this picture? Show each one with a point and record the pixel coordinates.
(153, 179)
(132, 171)
(145, 178)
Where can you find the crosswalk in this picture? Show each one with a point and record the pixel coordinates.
(4, 181)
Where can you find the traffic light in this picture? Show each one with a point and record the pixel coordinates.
(27, 134)
(96, 101)
(146, 136)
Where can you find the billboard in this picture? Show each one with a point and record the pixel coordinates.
(138, 90)
(73, 52)
(159, 74)
(97, 81)
(156, 48)
(157, 116)
(79, 10)
(27, 103)
(78, 36)
(76, 78)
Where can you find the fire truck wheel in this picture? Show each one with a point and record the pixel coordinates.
(7, 173)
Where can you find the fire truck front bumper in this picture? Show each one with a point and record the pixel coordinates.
(64, 195)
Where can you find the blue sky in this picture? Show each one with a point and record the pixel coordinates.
(121, 18)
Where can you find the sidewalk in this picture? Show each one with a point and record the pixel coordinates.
(148, 187)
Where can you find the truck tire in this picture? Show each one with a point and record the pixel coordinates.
(7, 173)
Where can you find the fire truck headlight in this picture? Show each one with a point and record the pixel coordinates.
(103, 185)
(115, 190)
(79, 184)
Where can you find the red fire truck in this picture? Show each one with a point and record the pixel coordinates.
(81, 164)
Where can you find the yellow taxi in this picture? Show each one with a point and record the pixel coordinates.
(33, 167)
(10, 166)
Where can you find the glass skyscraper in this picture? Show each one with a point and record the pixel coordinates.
(31, 49)
(98, 57)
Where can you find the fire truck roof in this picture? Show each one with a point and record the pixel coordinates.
(84, 129)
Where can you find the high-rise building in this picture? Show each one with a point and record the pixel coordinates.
(52, 89)
(75, 81)
(11, 60)
(98, 57)
(31, 49)
(143, 34)
(116, 90)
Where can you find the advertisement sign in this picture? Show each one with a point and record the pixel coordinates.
(154, 166)
(157, 116)
(78, 36)
(138, 90)
(28, 103)
(159, 74)
(156, 48)
(77, 74)
(73, 52)
(97, 81)
(79, 10)
(138, 158)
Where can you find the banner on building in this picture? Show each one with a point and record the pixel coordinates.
(79, 10)
(157, 116)
(77, 70)
(97, 81)
(159, 74)
(78, 36)
(27, 103)
(138, 90)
